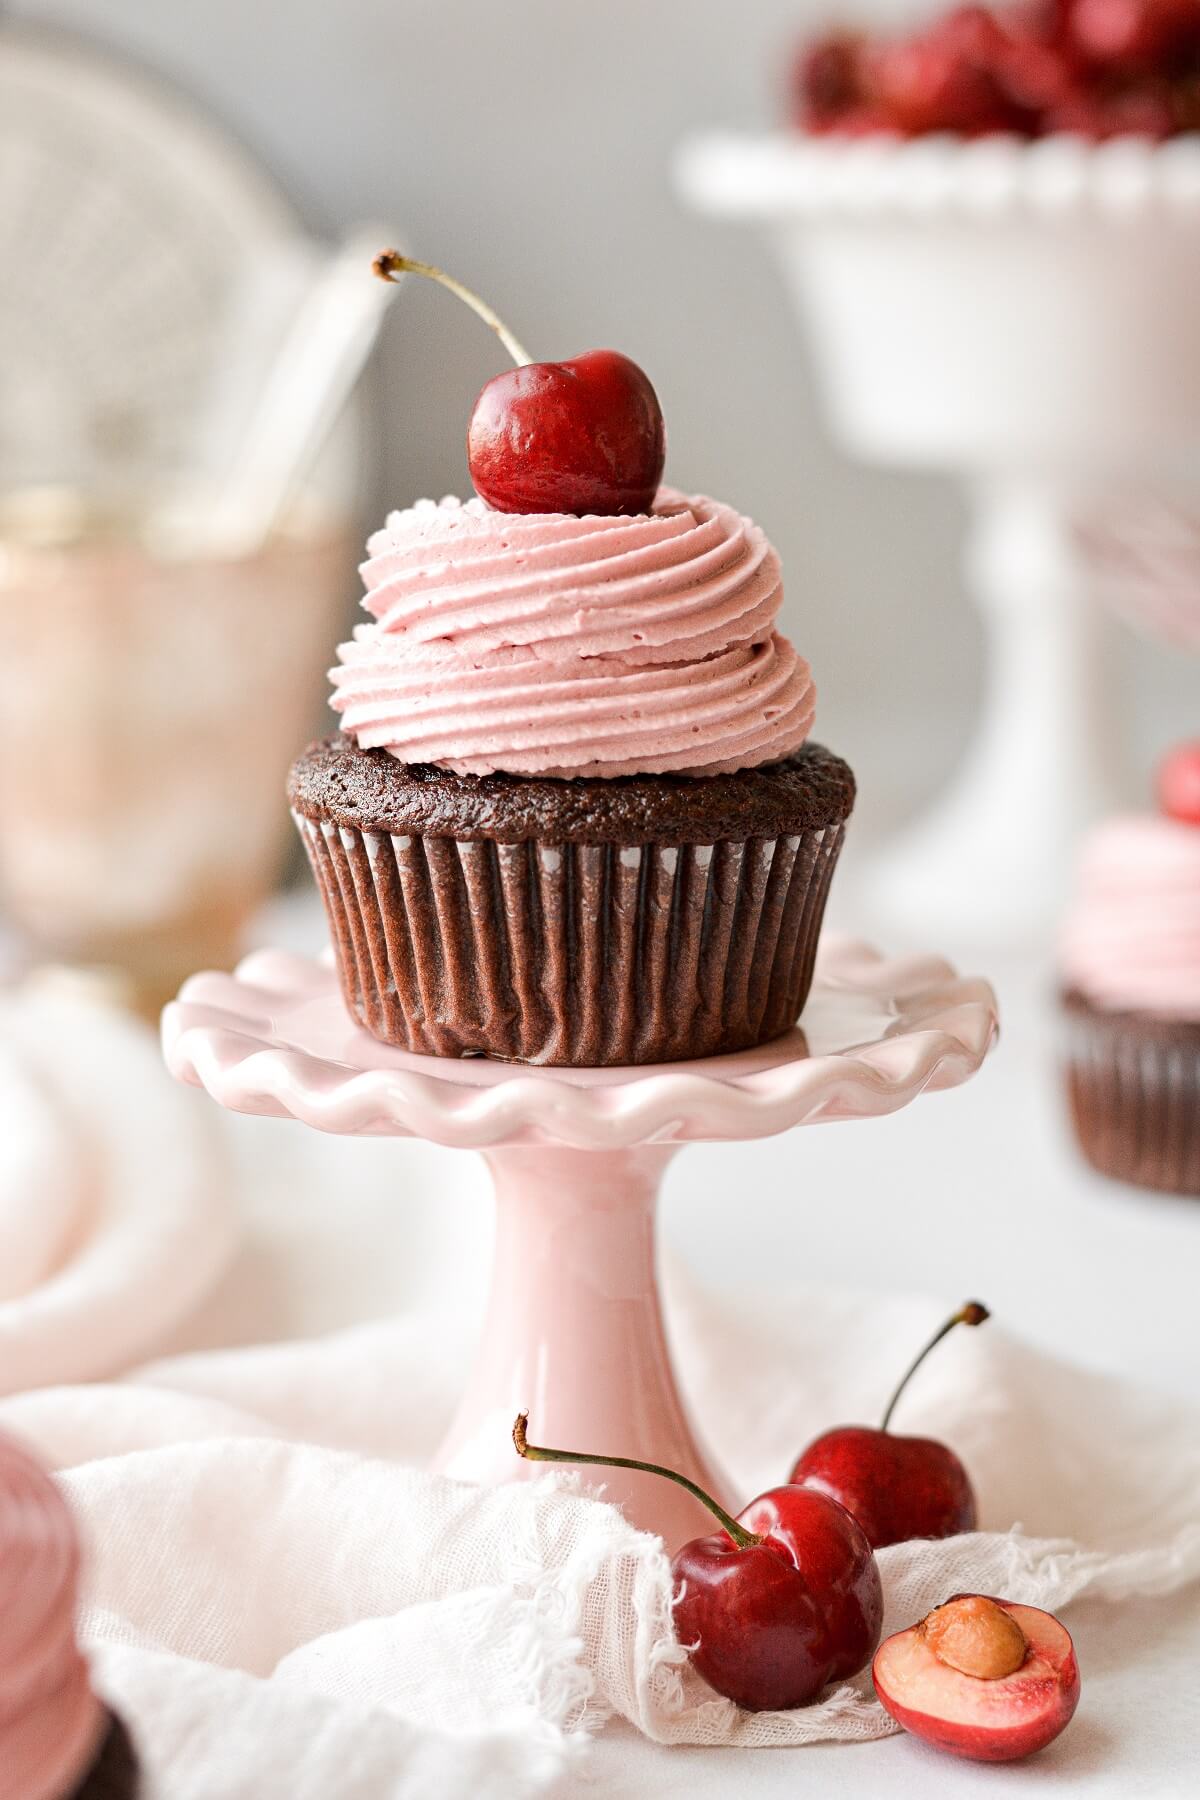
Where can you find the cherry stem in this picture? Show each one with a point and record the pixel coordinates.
(389, 265)
(974, 1312)
(539, 1453)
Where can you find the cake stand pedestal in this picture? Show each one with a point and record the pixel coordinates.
(574, 1329)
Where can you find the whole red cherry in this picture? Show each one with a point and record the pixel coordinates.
(1146, 112)
(584, 436)
(949, 77)
(827, 80)
(784, 1599)
(1131, 36)
(896, 1487)
(1035, 60)
(1179, 784)
(922, 85)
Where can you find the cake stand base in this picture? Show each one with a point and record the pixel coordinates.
(574, 1334)
(574, 1330)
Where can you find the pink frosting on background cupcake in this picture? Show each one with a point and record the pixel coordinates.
(50, 1721)
(1132, 937)
(546, 644)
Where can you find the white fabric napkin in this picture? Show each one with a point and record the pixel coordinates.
(117, 1207)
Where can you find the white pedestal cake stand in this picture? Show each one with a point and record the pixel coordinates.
(1022, 315)
(574, 1329)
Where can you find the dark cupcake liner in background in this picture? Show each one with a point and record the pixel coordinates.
(1133, 1086)
(569, 953)
(114, 1774)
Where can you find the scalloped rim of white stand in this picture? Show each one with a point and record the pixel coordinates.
(274, 1038)
(789, 174)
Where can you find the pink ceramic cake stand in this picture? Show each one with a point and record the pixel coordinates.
(574, 1329)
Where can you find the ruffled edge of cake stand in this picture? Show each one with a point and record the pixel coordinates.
(221, 1035)
(789, 174)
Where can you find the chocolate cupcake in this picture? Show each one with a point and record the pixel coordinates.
(573, 818)
(57, 1740)
(1130, 961)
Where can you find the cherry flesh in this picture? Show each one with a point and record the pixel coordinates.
(1179, 784)
(784, 1599)
(896, 1487)
(982, 1678)
(583, 436)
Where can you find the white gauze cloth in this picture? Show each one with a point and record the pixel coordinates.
(280, 1606)
(117, 1202)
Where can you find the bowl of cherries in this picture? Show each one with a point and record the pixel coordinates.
(786, 1598)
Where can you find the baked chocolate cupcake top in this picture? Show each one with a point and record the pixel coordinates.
(549, 644)
(371, 791)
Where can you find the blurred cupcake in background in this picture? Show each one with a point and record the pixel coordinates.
(57, 1739)
(1130, 965)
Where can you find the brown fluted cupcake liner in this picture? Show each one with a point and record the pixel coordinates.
(1133, 1086)
(572, 953)
(114, 1774)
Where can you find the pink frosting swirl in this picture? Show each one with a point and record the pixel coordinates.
(1132, 938)
(546, 644)
(50, 1721)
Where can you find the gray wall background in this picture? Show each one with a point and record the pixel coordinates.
(526, 145)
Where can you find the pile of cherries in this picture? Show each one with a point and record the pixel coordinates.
(1098, 68)
(786, 1597)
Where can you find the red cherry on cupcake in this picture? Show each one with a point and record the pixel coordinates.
(896, 1487)
(1179, 784)
(777, 1604)
(582, 436)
